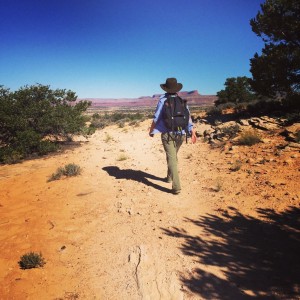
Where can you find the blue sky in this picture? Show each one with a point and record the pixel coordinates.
(119, 48)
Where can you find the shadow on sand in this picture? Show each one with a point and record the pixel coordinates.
(259, 256)
(136, 175)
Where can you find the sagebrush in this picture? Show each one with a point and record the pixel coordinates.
(31, 260)
(68, 170)
(249, 138)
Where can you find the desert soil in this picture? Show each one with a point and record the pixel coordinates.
(116, 231)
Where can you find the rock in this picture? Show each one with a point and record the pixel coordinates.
(294, 145)
(264, 123)
(232, 148)
(207, 132)
(291, 132)
(244, 122)
(287, 162)
(254, 121)
(266, 141)
(271, 120)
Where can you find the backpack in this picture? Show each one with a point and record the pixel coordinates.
(176, 114)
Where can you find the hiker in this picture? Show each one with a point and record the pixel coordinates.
(172, 137)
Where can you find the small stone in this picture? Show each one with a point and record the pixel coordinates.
(295, 145)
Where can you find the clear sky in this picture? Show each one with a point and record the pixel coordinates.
(126, 48)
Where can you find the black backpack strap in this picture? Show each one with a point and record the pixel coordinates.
(187, 133)
(171, 110)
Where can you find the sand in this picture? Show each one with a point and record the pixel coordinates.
(116, 231)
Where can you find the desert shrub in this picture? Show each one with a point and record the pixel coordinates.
(72, 170)
(118, 118)
(218, 184)
(240, 107)
(230, 131)
(134, 123)
(214, 111)
(9, 155)
(228, 105)
(68, 170)
(86, 131)
(108, 138)
(121, 124)
(96, 116)
(100, 123)
(69, 296)
(249, 138)
(264, 106)
(57, 175)
(292, 118)
(31, 260)
(46, 147)
(297, 136)
(31, 114)
(122, 157)
(25, 144)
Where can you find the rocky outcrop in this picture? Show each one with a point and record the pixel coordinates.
(292, 132)
(265, 123)
(229, 130)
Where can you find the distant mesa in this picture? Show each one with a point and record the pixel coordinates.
(193, 98)
(156, 95)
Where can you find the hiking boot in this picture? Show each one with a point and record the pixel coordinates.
(176, 192)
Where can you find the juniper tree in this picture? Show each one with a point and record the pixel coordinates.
(276, 71)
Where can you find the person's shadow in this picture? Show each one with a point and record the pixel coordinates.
(136, 175)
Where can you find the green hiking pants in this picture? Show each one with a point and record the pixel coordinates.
(171, 145)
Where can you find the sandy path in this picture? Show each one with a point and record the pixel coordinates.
(115, 232)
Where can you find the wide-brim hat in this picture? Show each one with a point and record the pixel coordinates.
(171, 85)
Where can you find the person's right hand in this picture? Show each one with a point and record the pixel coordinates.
(194, 138)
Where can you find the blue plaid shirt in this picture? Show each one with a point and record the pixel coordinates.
(158, 120)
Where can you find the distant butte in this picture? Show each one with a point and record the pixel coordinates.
(193, 99)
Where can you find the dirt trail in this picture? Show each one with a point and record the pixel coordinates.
(115, 231)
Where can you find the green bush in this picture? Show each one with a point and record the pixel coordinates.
(297, 136)
(214, 111)
(292, 118)
(46, 147)
(117, 118)
(240, 107)
(122, 157)
(228, 105)
(264, 106)
(9, 155)
(68, 170)
(33, 114)
(72, 170)
(249, 138)
(31, 260)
